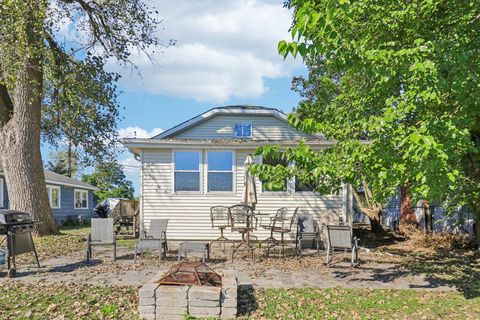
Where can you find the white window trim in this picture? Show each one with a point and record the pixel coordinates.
(290, 188)
(234, 170)
(242, 123)
(74, 199)
(2, 201)
(200, 171)
(50, 197)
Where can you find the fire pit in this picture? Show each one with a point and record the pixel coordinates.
(189, 288)
(191, 274)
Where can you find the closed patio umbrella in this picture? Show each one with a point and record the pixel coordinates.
(249, 197)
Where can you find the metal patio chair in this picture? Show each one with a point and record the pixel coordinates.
(275, 222)
(101, 234)
(220, 219)
(308, 229)
(153, 239)
(282, 225)
(340, 237)
(242, 220)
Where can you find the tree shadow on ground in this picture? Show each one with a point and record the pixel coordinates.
(456, 268)
(246, 301)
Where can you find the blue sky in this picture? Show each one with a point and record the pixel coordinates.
(225, 54)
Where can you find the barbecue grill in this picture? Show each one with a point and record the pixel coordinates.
(17, 228)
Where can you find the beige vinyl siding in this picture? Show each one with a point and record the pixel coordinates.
(189, 214)
(265, 127)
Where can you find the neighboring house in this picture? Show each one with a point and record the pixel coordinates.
(69, 198)
(200, 163)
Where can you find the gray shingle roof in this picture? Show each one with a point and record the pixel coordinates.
(55, 178)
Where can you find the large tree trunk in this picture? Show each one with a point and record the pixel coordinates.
(20, 148)
(477, 227)
(371, 209)
(407, 214)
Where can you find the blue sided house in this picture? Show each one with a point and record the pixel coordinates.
(70, 199)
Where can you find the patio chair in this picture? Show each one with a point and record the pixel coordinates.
(308, 229)
(101, 234)
(275, 221)
(220, 219)
(242, 220)
(340, 237)
(153, 239)
(282, 225)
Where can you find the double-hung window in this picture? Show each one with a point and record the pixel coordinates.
(220, 171)
(242, 130)
(81, 199)
(54, 196)
(2, 203)
(187, 171)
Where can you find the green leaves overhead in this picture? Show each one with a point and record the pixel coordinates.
(395, 85)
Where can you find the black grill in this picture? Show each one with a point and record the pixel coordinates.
(17, 227)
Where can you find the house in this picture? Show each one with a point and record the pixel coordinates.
(70, 199)
(200, 163)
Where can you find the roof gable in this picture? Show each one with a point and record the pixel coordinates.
(229, 110)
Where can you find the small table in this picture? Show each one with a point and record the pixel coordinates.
(200, 247)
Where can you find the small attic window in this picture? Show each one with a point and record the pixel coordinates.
(242, 130)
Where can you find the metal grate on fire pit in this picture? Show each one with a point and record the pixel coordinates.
(191, 274)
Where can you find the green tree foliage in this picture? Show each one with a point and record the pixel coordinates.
(400, 95)
(53, 80)
(63, 163)
(111, 182)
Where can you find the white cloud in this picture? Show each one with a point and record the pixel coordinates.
(225, 49)
(137, 132)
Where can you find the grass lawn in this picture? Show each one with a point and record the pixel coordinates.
(96, 302)
(66, 301)
(362, 304)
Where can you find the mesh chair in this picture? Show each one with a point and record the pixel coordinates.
(243, 221)
(153, 239)
(101, 234)
(308, 230)
(340, 237)
(283, 226)
(219, 218)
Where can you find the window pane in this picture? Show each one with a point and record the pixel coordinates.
(247, 129)
(220, 181)
(185, 160)
(84, 200)
(55, 199)
(238, 130)
(187, 181)
(303, 186)
(220, 161)
(78, 199)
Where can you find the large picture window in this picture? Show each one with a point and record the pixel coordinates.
(273, 161)
(54, 196)
(220, 171)
(242, 130)
(187, 171)
(81, 199)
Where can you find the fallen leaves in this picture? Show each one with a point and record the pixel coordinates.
(66, 301)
